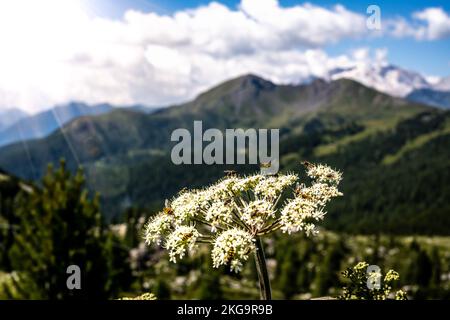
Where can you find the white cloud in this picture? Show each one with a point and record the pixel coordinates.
(53, 52)
(428, 24)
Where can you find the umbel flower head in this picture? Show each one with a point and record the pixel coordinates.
(232, 213)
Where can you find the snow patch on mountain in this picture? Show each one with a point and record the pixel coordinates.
(443, 84)
(386, 78)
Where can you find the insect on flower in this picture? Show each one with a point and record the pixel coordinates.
(265, 164)
(229, 256)
(307, 164)
(230, 173)
(187, 236)
(236, 212)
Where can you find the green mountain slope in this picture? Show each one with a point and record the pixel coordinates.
(247, 101)
(377, 140)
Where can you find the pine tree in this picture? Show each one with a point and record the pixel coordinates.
(9, 188)
(59, 226)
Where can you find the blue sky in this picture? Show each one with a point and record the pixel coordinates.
(163, 52)
(390, 8)
(430, 58)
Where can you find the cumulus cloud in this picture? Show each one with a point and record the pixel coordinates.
(428, 24)
(54, 52)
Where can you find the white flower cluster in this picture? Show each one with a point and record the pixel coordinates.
(223, 190)
(309, 202)
(247, 183)
(322, 173)
(256, 213)
(185, 206)
(182, 239)
(271, 187)
(219, 213)
(296, 214)
(232, 213)
(232, 247)
(157, 227)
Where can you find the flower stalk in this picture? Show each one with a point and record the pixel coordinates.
(263, 275)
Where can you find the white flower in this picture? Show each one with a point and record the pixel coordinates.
(298, 214)
(322, 173)
(271, 187)
(203, 199)
(318, 192)
(231, 248)
(256, 213)
(158, 226)
(181, 240)
(218, 213)
(247, 183)
(223, 190)
(186, 206)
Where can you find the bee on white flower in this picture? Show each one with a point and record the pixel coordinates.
(322, 173)
(256, 213)
(157, 227)
(232, 247)
(181, 240)
(320, 193)
(298, 214)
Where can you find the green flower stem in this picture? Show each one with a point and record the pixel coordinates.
(263, 275)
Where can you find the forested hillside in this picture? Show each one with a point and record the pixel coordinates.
(391, 150)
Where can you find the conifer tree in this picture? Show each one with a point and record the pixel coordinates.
(59, 226)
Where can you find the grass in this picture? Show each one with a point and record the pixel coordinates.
(415, 143)
(372, 127)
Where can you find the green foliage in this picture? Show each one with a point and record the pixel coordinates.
(10, 187)
(389, 198)
(209, 287)
(327, 272)
(15, 285)
(162, 289)
(366, 285)
(58, 226)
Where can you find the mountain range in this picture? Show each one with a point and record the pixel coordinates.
(435, 98)
(10, 116)
(19, 126)
(398, 82)
(391, 150)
